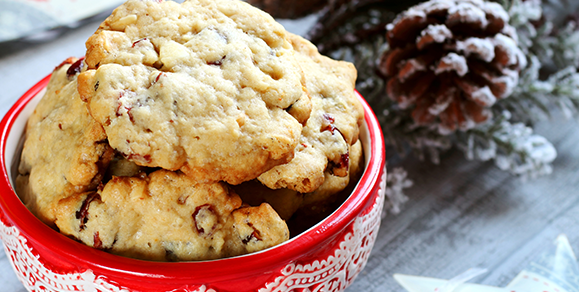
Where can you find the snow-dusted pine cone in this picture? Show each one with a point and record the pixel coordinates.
(450, 60)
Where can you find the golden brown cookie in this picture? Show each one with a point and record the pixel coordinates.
(255, 229)
(208, 87)
(332, 128)
(168, 216)
(65, 150)
(333, 183)
(287, 202)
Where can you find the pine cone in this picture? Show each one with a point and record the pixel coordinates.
(451, 60)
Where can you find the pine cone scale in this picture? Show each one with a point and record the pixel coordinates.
(444, 96)
(421, 114)
(501, 84)
(483, 49)
(480, 94)
(389, 62)
(466, 14)
(477, 113)
(452, 62)
(394, 89)
(411, 67)
(451, 118)
(421, 86)
(434, 33)
(409, 30)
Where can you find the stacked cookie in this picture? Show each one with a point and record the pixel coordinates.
(182, 128)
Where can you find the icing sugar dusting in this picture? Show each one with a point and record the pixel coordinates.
(452, 62)
(484, 96)
(496, 10)
(438, 33)
(415, 13)
(511, 32)
(508, 82)
(510, 48)
(465, 12)
(433, 6)
(483, 48)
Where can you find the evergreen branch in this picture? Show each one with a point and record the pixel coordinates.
(542, 32)
(565, 44)
(534, 98)
(552, 56)
(522, 12)
(513, 147)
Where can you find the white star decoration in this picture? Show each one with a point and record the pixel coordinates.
(553, 271)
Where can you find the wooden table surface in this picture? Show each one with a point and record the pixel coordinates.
(459, 215)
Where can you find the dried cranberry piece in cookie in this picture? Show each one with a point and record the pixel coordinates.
(205, 219)
(82, 213)
(75, 68)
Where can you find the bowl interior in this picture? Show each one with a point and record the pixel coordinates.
(13, 127)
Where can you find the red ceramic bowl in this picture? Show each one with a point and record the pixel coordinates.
(327, 257)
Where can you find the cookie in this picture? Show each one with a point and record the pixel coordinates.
(65, 150)
(333, 184)
(168, 216)
(211, 88)
(287, 202)
(332, 128)
(255, 229)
